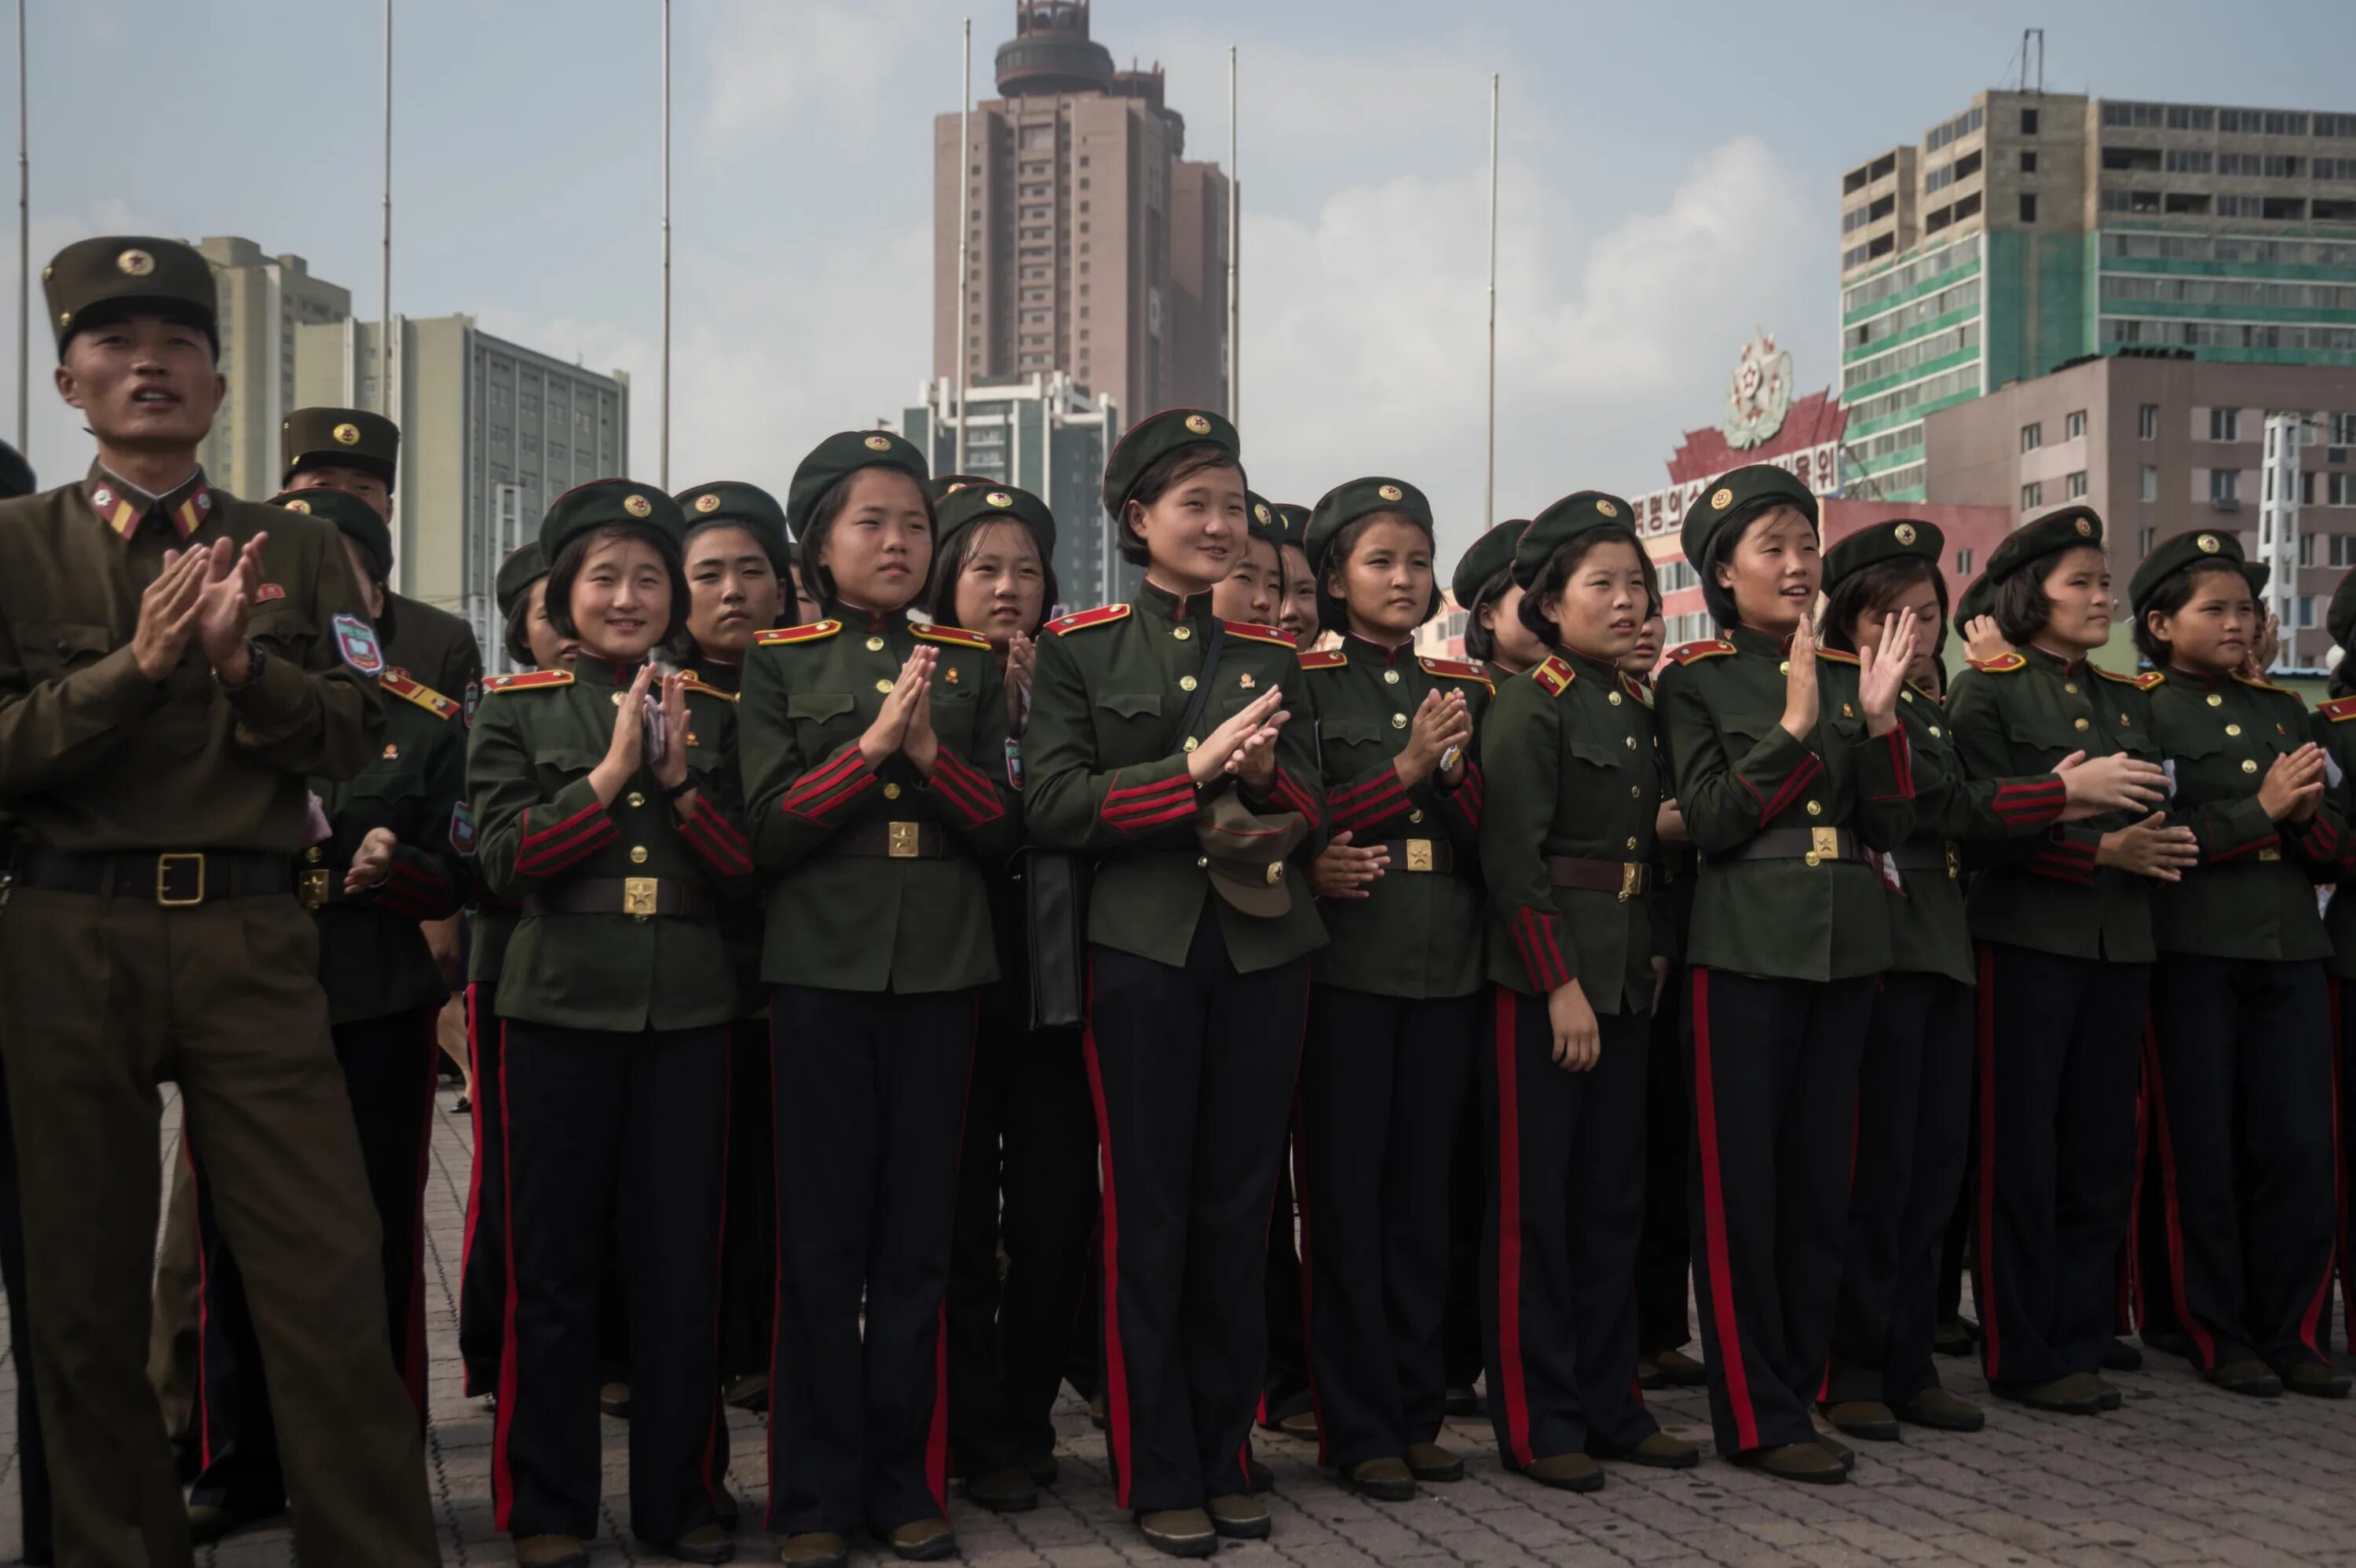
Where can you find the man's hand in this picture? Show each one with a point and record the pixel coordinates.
(231, 579)
(372, 862)
(167, 613)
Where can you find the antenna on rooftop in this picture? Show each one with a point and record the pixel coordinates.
(2032, 37)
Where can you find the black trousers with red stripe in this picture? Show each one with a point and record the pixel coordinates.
(1914, 1129)
(1284, 1385)
(1664, 1251)
(391, 1065)
(2239, 1078)
(748, 1244)
(1775, 1070)
(871, 1105)
(1383, 1079)
(483, 1263)
(613, 1140)
(1193, 1069)
(1566, 1210)
(2056, 1063)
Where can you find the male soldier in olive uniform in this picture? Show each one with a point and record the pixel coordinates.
(175, 665)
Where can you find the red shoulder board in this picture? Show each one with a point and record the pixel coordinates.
(1253, 632)
(527, 680)
(2263, 685)
(1555, 675)
(2339, 710)
(1838, 656)
(1324, 658)
(1709, 648)
(1641, 690)
(2003, 663)
(955, 637)
(401, 683)
(1103, 614)
(1456, 668)
(2143, 682)
(694, 684)
(808, 634)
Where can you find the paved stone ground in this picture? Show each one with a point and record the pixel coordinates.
(2183, 1475)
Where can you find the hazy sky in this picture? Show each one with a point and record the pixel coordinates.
(1671, 179)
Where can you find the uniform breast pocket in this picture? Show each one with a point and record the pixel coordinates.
(555, 767)
(55, 648)
(821, 717)
(1130, 724)
(282, 629)
(1358, 741)
(953, 715)
(1593, 752)
(383, 797)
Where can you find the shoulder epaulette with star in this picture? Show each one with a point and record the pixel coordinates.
(1709, 648)
(1103, 614)
(809, 634)
(2003, 663)
(401, 683)
(1456, 669)
(692, 683)
(2340, 709)
(2143, 682)
(527, 680)
(2263, 685)
(1839, 657)
(1253, 632)
(955, 637)
(1553, 676)
(1325, 658)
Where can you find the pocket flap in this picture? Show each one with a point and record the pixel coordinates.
(1355, 731)
(1600, 754)
(817, 705)
(1131, 704)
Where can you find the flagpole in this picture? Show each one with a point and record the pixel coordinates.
(663, 466)
(965, 232)
(24, 248)
(1235, 244)
(1489, 481)
(385, 405)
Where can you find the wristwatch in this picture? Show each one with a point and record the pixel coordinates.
(254, 659)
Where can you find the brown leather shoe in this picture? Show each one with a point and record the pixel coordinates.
(614, 1399)
(1867, 1420)
(818, 1549)
(1430, 1462)
(1810, 1462)
(1659, 1450)
(705, 1544)
(1180, 1531)
(1384, 1480)
(924, 1540)
(1671, 1369)
(2079, 1393)
(1043, 1468)
(1239, 1516)
(1566, 1472)
(2316, 1380)
(1010, 1490)
(1300, 1425)
(549, 1551)
(2254, 1378)
(1940, 1410)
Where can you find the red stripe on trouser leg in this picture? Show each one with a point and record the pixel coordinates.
(475, 1116)
(1713, 1206)
(1509, 1234)
(413, 1354)
(2158, 1093)
(1308, 1274)
(2340, 1172)
(502, 1476)
(1984, 1247)
(1116, 1371)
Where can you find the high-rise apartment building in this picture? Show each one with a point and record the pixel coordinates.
(1094, 247)
(2032, 228)
(491, 433)
(263, 299)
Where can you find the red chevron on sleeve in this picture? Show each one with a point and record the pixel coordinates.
(419, 891)
(544, 851)
(822, 792)
(721, 843)
(2030, 803)
(1367, 802)
(2320, 840)
(2064, 859)
(965, 791)
(1134, 807)
(1541, 953)
(1292, 797)
(1801, 777)
(1468, 796)
(1901, 764)
(2218, 856)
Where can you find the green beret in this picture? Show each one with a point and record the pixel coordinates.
(130, 272)
(1492, 553)
(2340, 616)
(837, 458)
(353, 518)
(988, 502)
(733, 501)
(1291, 525)
(2055, 532)
(1347, 502)
(2171, 556)
(525, 567)
(1978, 600)
(1737, 497)
(608, 503)
(943, 486)
(2260, 574)
(1260, 517)
(339, 438)
(1155, 437)
(15, 473)
(1565, 521)
(1903, 540)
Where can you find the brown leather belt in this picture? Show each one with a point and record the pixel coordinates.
(1929, 855)
(1626, 877)
(169, 879)
(892, 840)
(1814, 845)
(644, 897)
(1435, 854)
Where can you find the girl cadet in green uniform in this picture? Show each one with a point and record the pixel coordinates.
(2238, 1079)
(1574, 782)
(1392, 1007)
(875, 766)
(1297, 602)
(607, 798)
(2063, 924)
(1485, 591)
(1175, 749)
(1788, 760)
(1914, 1089)
(1255, 590)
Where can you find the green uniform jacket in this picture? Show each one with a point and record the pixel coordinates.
(536, 738)
(93, 756)
(1105, 771)
(869, 921)
(373, 959)
(742, 921)
(434, 646)
(2021, 713)
(1571, 764)
(2334, 729)
(1740, 771)
(2252, 895)
(1929, 931)
(1417, 933)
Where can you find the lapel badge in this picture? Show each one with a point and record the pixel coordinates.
(952, 676)
(391, 752)
(1245, 680)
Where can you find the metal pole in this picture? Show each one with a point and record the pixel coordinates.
(664, 465)
(24, 248)
(1234, 242)
(385, 405)
(964, 231)
(1489, 481)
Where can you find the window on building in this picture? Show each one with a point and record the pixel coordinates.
(2224, 484)
(2027, 160)
(2032, 436)
(2343, 549)
(2029, 122)
(2343, 429)
(2340, 490)
(2224, 424)
(2147, 421)
(2074, 426)
(2306, 611)
(2029, 207)
(2145, 539)
(2075, 485)
(2146, 483)
(2032, 495)
(1963, 563)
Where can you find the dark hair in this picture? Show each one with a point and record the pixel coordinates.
(940, 598)
(2172, 594)
(1334, 613)
(822, 519)
(2020, 607)
(1480, 642)
(517, 637)
(567, 566)
(1548, 585)
(1876, 587)
(1163, 475)
(1718, 598)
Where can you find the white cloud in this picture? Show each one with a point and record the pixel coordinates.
(848, 63)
